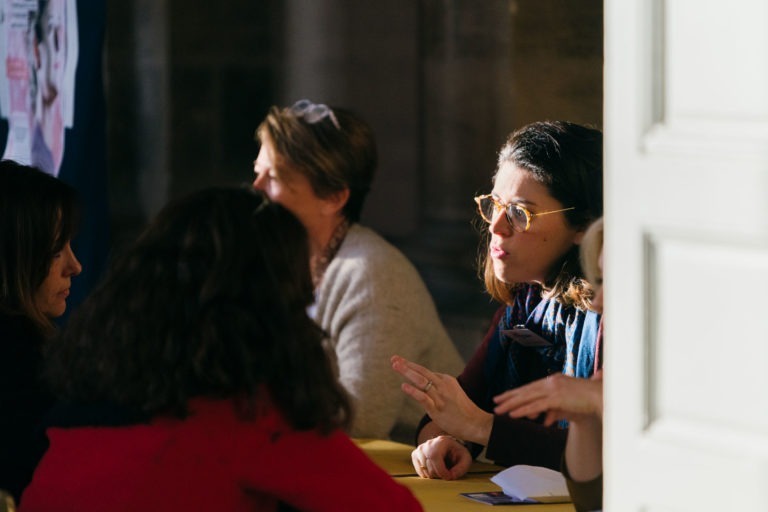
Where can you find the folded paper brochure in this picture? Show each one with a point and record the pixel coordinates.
(525, 484)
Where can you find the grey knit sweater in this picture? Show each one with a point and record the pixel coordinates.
(373, 304)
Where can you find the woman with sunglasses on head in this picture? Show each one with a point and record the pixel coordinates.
(547, 190)
(38, 215)
(186, 387)
(579, 401)
(319, 163)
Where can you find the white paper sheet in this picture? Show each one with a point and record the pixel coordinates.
(532, 482)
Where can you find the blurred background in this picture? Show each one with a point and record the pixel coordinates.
(442, 82)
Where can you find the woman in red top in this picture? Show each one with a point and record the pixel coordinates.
(196, 381)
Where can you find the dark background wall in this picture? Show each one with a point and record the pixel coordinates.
(442, 82)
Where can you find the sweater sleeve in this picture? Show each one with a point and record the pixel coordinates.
(375, 306)
(522, 441)
(363, 348)
(471, 379)
(587, 495)
(337, 476)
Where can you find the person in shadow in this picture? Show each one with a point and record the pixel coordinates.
(193, 379)
(38, 217)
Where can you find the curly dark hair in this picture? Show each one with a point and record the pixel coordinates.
(38, 216)
(210, 301)
(567, 158)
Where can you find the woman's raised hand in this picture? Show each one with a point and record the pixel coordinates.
(444, 401)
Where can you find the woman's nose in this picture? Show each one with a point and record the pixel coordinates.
(259, 180)
(499, 224)
(73, 265)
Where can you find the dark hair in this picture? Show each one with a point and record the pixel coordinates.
(210, 301)
(38, 215)
(566, 158)
(332, 158)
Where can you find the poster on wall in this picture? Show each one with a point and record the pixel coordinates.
(52, 111)
(39, 49)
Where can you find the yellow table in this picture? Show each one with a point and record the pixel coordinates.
(442, 495)
(395, 458)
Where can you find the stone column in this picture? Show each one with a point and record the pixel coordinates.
(364, 56)
(466, 98)
(557, 61)
(466, 105)
(152, 104)
(136, 83)
(314, 51)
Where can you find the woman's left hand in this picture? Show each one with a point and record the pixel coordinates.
(558, 396)
(445, 401)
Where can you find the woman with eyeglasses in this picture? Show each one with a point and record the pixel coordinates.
(38, 218)
(546, 192)
(185, 386)
(319, 162)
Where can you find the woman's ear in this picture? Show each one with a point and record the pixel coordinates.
(579, 236)
(335, 202)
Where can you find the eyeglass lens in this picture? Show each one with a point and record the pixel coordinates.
(516, 215)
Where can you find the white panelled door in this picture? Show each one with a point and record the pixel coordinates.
(686, 132)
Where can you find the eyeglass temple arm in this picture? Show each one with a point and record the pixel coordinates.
(553, 211)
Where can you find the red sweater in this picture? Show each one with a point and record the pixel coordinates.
(211, 460)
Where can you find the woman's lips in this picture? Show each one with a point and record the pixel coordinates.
(64, 293)
(497, 252)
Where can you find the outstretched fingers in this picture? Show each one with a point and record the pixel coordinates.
(524, 401)
(419, 379)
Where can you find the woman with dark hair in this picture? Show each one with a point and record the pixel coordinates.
(547, 190)
(319, 162)
(38, 214)
(196, 381)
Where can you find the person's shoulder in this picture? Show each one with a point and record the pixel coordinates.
(363, 238)
(93, 414)
(363, 244)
